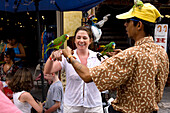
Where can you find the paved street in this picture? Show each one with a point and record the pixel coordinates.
(164, 105)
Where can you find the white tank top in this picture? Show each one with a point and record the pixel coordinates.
(25, 107)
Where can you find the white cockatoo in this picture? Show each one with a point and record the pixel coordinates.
(96, 26)
(101, 22)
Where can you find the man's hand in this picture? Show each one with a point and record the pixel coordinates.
(67, 52)
(116, 51)
(81, 69)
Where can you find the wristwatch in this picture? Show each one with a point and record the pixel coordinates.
(68, 58)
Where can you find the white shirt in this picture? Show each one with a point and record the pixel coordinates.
(25, 107)
(77, 92)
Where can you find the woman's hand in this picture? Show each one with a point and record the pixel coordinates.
(56, 55)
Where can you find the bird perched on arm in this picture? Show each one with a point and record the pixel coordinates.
(106, 48)
(57, 43)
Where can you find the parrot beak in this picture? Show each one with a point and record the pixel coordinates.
(113, 45)
(67, 36)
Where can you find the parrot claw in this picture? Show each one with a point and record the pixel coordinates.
(99, 55)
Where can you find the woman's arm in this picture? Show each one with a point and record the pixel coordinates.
(22, 50)
(52, 66)
(27, 97)
(3, 50)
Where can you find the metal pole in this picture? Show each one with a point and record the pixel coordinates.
(39, 47)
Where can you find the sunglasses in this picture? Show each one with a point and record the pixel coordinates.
(128, 20)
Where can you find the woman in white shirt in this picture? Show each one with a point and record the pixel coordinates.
(79, 97)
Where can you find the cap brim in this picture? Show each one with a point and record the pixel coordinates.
(125, 15)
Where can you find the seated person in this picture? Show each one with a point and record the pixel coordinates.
(7, 91)
(18, 48)
(1, 47)
(9, 65)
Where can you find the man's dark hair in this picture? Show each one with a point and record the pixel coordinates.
(148, 26)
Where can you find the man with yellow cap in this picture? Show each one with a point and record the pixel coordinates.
(139, 72)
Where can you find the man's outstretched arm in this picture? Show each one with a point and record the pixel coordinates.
(81, 69)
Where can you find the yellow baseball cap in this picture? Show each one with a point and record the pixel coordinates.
(147, 12)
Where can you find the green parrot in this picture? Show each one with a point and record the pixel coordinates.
(106, 48)
(138, 3)
(57, 43)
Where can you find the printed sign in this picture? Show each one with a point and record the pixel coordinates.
(161, 35)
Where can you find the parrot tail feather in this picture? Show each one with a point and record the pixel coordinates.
(57, 47)
(46, 50)
(49, 44)
(102, 52)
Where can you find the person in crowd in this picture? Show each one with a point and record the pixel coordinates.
(18, 49)
(139, 72)
(7, 106)
(1, 85)
(55, 95)
(9, 66)
(79, 97)
(1, 45)
(21, 84)
(7, 91)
